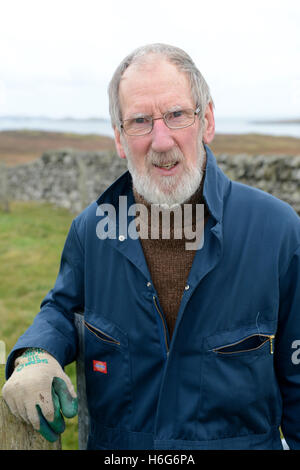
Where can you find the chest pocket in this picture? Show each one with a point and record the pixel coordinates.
(239, 391)
(250, 343)
(101, 335)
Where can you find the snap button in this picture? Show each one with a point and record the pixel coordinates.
(121, 238)
(149, 284)
(187, 287)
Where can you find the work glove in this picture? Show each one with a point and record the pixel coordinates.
(40, 393)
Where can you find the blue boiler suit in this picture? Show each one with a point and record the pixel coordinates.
(230, 375)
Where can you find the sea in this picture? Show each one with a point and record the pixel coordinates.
(102, 126)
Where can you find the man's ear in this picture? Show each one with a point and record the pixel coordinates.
(209, 124)
(118, 143)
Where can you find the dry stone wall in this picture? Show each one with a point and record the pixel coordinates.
(278, 175)
(66, 178)
(73, 179)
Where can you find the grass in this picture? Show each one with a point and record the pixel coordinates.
(32, 236)
(255, 144)
(23, 146)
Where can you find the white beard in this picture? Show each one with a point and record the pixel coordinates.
(170, 190)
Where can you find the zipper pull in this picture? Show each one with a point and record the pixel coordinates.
(271, 344)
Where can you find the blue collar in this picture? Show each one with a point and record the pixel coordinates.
(216, 186)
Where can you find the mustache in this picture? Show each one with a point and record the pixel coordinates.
(162, 158)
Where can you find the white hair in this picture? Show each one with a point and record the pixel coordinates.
(199, 88)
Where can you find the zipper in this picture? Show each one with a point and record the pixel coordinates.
(163, 322)
(268, 338)
(102, 336)
(271, 343)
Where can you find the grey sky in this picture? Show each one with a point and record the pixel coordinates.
(57, 57)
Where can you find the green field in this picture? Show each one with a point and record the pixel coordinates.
(32, 236)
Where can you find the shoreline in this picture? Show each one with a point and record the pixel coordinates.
(22, 146)
(278, 121)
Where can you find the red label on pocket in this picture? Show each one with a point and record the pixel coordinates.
(100, 366)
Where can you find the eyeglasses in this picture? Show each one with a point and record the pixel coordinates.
(143, 124)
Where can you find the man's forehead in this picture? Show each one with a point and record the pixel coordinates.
(153, 77)
(147, 64)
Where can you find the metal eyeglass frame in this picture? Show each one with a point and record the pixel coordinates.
(196, 111)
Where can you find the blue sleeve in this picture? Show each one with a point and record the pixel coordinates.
(286, 355)
(53, 328)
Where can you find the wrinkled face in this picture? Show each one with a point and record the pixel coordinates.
(166, 165)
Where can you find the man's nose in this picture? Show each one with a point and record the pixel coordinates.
(162, 139)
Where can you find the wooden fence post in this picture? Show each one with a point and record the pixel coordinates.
(4, 188)
(16, 434)
(82, 181)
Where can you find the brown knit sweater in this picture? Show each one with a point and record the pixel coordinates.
(168, 260)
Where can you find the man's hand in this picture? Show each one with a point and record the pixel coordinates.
(39, 392)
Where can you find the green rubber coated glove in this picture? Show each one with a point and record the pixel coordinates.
(40, 393)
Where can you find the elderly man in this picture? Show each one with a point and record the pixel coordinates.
(184, 349)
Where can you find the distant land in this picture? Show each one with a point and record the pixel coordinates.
(49, 118)
(98, 118)
(284, 126)
(277, 121)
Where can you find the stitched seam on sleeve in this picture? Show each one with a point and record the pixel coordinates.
(77, 237)
(289, 262)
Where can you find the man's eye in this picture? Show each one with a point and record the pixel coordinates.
(139, 120)
(177, 114)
